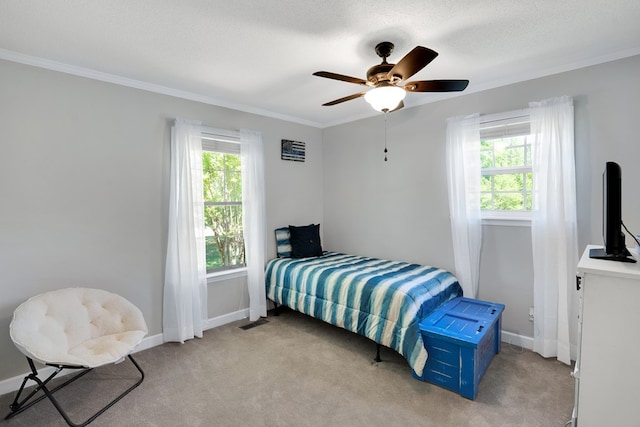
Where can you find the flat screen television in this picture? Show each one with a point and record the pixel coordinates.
(614, 247)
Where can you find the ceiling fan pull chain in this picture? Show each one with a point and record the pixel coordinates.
(386, 112)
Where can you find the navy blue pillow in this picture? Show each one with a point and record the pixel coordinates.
(305, 241)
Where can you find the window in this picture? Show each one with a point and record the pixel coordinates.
(222, 186)
(506, 184)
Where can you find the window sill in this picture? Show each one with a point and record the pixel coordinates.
(509, 219)
(226, 275)
(506, 222)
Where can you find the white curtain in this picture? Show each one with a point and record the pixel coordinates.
(185, 285)
(554, 225)
(254, 219)
(463, 173)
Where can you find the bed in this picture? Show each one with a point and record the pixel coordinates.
(380, 299)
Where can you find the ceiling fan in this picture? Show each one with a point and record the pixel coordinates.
(386, 95)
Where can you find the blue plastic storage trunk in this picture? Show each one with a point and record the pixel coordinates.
(461, 338)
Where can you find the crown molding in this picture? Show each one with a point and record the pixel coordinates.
(534, 74)
(177, 93)
(146, 86)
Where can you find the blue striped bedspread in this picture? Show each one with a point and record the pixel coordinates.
(380, 299)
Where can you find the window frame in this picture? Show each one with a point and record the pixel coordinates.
(505, 125)
(223, 141)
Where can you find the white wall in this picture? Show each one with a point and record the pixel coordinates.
(84, 190)
(399, 209)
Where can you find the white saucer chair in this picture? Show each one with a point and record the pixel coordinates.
(74, 328)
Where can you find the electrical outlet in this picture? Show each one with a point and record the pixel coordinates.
(530, 314)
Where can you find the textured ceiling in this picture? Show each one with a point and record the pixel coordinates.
(259, 55)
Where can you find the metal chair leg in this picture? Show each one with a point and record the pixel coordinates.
(19, 406)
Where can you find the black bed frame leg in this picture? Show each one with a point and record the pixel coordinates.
(377, 358)
(276, 311)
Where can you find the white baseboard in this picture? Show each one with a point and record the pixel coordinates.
(10, 385)
(149, 342)
(227, 318)
(519, 340)
(527, 342)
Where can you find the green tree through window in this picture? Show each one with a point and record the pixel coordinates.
(222, 179)
(507, 181)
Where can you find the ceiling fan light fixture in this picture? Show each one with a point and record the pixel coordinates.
(385, 97)
(387, 94)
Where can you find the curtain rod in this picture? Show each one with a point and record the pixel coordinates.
(515, 114)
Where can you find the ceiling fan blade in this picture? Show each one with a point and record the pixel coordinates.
(412, 62)
(346, 98)
(340, 77)
(436, 86)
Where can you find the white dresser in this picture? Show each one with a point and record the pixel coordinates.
(608, 362)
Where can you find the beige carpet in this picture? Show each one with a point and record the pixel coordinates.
(297, 371)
